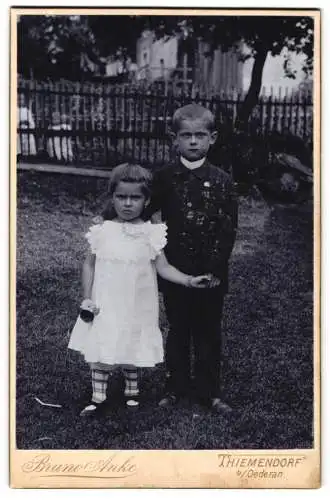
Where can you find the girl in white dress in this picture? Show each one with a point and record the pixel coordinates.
(120, 288)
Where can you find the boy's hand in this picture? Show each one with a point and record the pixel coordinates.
(199, 281)
(214, 281)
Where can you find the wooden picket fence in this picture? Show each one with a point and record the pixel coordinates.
(100, 124)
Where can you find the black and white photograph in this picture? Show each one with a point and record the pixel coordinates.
(167, 221)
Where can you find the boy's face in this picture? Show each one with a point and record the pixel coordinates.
(194, 139)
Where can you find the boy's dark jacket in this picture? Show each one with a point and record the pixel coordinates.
(200, 209)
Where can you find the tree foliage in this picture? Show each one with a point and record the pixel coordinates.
(261, 36)
(51, 45)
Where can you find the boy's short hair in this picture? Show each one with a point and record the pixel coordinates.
(193, 112)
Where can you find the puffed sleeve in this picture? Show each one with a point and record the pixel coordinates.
(94, 236)
(158, 238)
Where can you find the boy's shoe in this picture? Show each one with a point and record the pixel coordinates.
(170, 399)
(92, 409)
(219, 406)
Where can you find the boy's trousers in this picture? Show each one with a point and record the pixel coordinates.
(194, 317)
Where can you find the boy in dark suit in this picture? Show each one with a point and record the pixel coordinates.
(198, 203)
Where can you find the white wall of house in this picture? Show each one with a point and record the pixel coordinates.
(164, 56)
(160, 56)
(143, 48)
(220, 70)
(114, 68)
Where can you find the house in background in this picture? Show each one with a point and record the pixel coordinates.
(120, 65)
(219, 70)
(175, 59)
(115, 67)
(156, 58)
(188, 61)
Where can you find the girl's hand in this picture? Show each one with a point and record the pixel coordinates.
(88, 310)
(88, 305)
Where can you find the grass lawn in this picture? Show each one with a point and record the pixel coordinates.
(268, 335)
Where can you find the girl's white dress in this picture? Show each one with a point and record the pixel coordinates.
(126, 330)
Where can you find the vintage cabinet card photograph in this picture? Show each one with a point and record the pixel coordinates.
(165, 248)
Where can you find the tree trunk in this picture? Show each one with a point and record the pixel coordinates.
(252, 96)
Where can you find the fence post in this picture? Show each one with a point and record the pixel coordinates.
(137, 118)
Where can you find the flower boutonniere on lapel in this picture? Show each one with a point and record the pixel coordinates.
(206, 189)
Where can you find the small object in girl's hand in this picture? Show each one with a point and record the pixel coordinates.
(86, 315)
(88, 310)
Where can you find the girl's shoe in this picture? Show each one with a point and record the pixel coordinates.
(132, 400)
(92, 409)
